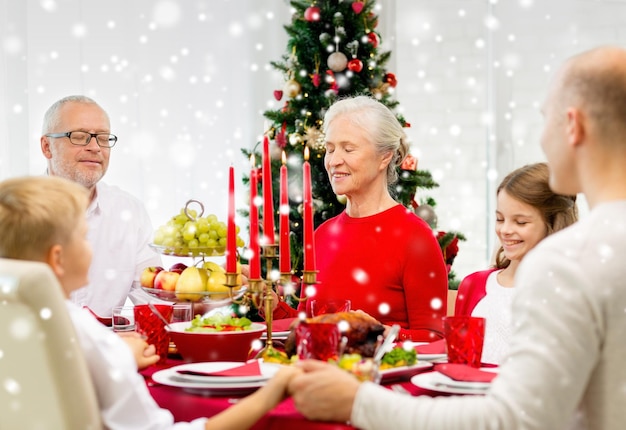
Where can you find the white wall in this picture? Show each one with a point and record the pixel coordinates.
(185, 83)
(472, 78)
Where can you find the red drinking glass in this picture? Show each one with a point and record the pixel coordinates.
(320, 307)
(464, 339)
(148, 323)
(319, 341)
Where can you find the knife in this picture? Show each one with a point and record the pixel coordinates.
(382, 349)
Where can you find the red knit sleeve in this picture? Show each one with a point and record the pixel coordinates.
(471, 291)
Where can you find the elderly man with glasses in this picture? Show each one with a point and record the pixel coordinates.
(77, 141)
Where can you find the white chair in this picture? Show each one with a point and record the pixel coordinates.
(44, 380)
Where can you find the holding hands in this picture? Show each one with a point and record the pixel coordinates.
(323, 391)
(250, 409)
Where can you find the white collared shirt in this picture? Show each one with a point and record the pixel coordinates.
(123, 397)
(119, 233)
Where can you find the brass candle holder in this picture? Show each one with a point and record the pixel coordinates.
(269, 252)
(309, 277)
(231, 281)
(259, 292)
(266, 298)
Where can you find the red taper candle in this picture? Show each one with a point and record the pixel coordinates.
(309, 242)
(284, 245)
(268, 198)
(255, 259)
(231, 232)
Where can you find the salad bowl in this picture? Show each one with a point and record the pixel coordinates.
(196, 343)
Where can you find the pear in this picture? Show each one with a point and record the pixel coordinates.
(213, 267)
(191, 282)
(215, 285)
(217, 279)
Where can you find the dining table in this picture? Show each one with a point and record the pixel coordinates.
(186, 406)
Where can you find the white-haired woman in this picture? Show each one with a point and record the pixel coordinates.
(376, 253)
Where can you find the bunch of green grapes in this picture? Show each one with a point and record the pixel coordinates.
(187, 232)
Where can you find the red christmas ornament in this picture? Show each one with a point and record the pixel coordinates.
(312, 13)
(451, 251)
(315, 78)
(355, 65)
(357, 7)
(373, 39)
(332, 81)
(390, 78)
(278, 94)
(280, 138)
(259, 175)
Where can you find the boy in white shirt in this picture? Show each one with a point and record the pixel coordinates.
(43, 219)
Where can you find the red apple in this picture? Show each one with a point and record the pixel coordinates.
(166, 280)
(147, 276)
(178, 267)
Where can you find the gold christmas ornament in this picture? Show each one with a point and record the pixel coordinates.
(312, 136)
(292, 88)
(341, 198)
(379, 92)
(295, 139)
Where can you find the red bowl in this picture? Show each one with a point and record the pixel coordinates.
(217, 346)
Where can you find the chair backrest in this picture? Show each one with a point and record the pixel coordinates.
(44, 379)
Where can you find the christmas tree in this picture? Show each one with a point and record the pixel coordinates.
(333, 51)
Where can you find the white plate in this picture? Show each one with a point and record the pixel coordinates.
(436, 381)
(420, 356)
(431, 357)
(218, 384)
(217, 366)
(404, 371)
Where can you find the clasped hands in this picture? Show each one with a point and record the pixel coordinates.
(320, 391)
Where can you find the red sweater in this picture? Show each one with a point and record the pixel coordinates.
(389, 265)
(471, 291)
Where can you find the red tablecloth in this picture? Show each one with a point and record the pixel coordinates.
(187, 406)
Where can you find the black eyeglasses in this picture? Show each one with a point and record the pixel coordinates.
(82, 138)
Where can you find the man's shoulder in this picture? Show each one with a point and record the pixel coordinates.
(579, 244)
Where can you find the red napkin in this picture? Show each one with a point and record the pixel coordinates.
(282, 324)
(249, 369)
(436, 347)
(465, 373)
